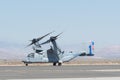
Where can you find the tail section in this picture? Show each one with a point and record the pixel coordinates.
(91, 49)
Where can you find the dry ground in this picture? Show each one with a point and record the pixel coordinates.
(73, 62)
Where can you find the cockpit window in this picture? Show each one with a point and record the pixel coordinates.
(31, 55)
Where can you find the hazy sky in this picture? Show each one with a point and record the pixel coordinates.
(80, 20)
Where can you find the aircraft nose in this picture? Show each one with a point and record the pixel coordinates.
(25, 60)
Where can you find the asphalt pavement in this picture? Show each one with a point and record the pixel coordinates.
(65, 71)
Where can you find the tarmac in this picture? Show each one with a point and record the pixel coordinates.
(53, 72)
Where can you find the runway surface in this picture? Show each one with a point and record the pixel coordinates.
(46, 72)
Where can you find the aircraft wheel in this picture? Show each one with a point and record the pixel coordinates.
(26, 64)
(54, 64)
(59, 64)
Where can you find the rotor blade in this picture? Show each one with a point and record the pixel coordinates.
(29, 44)
(58, 35)
(46, 42)
(38, 39)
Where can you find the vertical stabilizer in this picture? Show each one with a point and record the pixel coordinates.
(91, 49)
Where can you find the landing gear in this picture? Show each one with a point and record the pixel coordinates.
(26, 64)
(59, 64)
(54, 64)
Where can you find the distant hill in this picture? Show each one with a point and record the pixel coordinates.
(16, 51)
(11, 54)
(11, 51)
(112, 52)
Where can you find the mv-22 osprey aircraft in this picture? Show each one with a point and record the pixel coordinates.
(53, 55)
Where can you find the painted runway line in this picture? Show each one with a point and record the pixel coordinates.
(104, 78)
(107, 70)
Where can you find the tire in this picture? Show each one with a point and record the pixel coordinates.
(59, 64)
(26, 64)
(54, 64)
